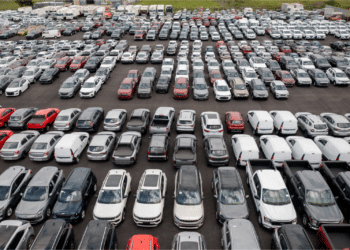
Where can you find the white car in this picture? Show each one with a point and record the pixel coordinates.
(305, 63)
(173, 43)
(249, 34)
(182, 71)
(297, 34)
(183, 61)
(128, 57)
(166, 71)
(198, 65)
(112, 42)
(48, 63)
(169, 63)
(82, 74)
(150, 198)
(279, 90)
(211, 124)
(34, 63)
(221, 90)
(44, 55)
(337, 77)
(215, 36)
(197, 43)
(109, 62)
(90, 87)
(32, 74)
(181, 55)
(7, 61)
(248, 74)
(184, 48)
(209, 56)
(341, 34)
(308, 34)
(213, 65)
(320, 34)
(196, 56)
(257, 62)
(228, 65)
(113, 196)
(17, 87)
(117, 54)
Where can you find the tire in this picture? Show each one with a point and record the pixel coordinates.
(95, 187)
(20, 93)
(260, 219)
(5, 125)
(273, 246)
(305, 220)
(123, 215)
(48, 212)
(47, 128)
(247, 181)
(9, 212)
(30, 241)
(77, 159)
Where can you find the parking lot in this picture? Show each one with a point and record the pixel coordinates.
(309, 99)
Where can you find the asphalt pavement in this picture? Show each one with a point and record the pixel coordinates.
(308, 99)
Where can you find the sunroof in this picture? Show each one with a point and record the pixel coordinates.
(113, 180)
(212, 116)
(151, 180)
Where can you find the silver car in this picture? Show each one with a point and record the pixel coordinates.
(189, 240)
(301, 77)
(48, 63)
(66, 119)
(40, 195)
(13, 181)
(186, 121)
(44, 146)
(101, 146)
(16, 235)
(18, 145)
(20, 117)
(82, 74)
(311, 125)
(338, 125)
(32, 74)
(115, 120)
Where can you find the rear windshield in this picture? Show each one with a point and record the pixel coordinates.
(213, 126)
(343, 125)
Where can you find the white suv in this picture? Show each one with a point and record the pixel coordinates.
(211, 124)
(221, 90)
(150, 196)
(113, 196)
(337, 76)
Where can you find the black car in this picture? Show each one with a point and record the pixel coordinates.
(55, 234)
(273, 65)
(90, 119)
(338, 62)
(4, 82)
(69, 32)
(49, 75)
(110, 31)
(93, 63)
(229, 194)
(163, 84)
(99, 235)
(117, 34)
(293, 237)
(33, 34)
(311, 195)
(266, 75)
(215, 151)
(7, 34)
(338, 45)
(75, 195)
(230, 74)
(17, 72)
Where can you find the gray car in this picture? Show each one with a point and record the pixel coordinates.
(338, 125)
(82, 74)
(301, 77)
(127, 148)
(18, 145)
(145, 88)
(13, 181)
(32, 74)
(115, 120)
(20, 117)
(239, 234)
(158, 147)
(101, 146)
(66, 119)
(16, 235)
(311, 125)
(185, 150)
(139, 120)
(70, 87)
(40, 195)
(44, 146)
(229, 194)
(266, 75)
(189, 240)
(318, 77)
(150, 74)
(258, 89)
(200, 89)
(215, 151)
(104, 74)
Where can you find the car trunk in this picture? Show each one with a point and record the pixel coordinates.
(123, 151)
(135, 121)
(184, 154)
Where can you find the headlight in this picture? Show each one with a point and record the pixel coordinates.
(294, 221)
(2, 210)
(313, 221)
(267, 220)
(40, 213)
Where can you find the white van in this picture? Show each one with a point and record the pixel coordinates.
(333, 149)
(305, 149)
(285, 122)
(261, 121)
(244, 148)
(276, 149)
(51, 34)
(70, 147)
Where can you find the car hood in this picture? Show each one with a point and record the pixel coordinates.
(223, 92)
(147, 210)
(278, 213)
(233, 211)
(12, 89)
(282, 92)
(66, 208)
(241, 92)
(45, 77)
(30, 207)
(107, 210)
(124, 91)
(181, 91)
(144, 91)
(191, 212)
(324, 214)
(268, 78)
(201, 91)
(261, 92)
(66, 90)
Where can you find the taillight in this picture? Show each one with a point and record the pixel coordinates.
(206, 130)
(281, 127)
(239, 158)
(167, 129)
(91, 124)
(257, 127)
(149, 128)
(272, 158)
(221, 130)
(148, 152)
(165, 152)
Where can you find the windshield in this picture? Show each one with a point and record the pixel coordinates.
(222, 88)
(240, 87)
(149, 196)
(231, 196)
(343, 125)
(89, 85)
(61, 62)
(275, 197)
(110, 196)
(321, 75)
(281, 87)
(35, 194)
(76, 62)
(125, 86)
(258, 60)
(144, 86)
(340, 75)
(303, 75)
(307, 63)
(4, 192)
(287, 76)
(260, 87)
(68, 196)
(62, 118)
(14, 84)
(320, 198)
(341, 63)
(107, 62)
(67, 85)
(188, 197)
(28, 73)
(251, 75)
(39, 145)
(182, 72)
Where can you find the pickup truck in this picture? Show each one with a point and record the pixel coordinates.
(334, 236)
(311, 194)
(127, 148)
(270, 194)
(139, 120)
(337, 175)
(185, 152)
(162, 120)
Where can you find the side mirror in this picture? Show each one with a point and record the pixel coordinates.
(256, 197)
(247, 196)
(215, 196)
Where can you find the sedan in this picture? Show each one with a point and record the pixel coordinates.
(128, 57)
(109, 62)
(17, 87)
(43, 147)
(4, 83)
(66, 119)
(157, 57)
(143, 57)
(32, 74)
(101, 146)
(91, 87)
(48, 63)
(115, 120)
(49, 75)
(103, 74)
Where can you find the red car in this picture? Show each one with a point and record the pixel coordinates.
(234, 122)
(277, 56)
(102, 29)
(135, 75)
(220, 43)
(285, 77)
(126, 89)
(286, 49)
(206, 23)
(63, 63)
(4, 135)
(246, 50)
(19, 63)
(142, 241)
(5, 114)
(214, 75)
(139, 35)
(43, 119)
(78, 63)
(99, 42)
(181, 88)
(98, 24)
(59, 55)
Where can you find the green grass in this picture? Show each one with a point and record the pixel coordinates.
(188, 4)
(9, 5)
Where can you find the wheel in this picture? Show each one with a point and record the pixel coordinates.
(123, 216)
(77, 159)
(82, 215)
(47, 128)
(247, 181)
(273, 245)
(260, 219)
(48, 212)
(30, 242)
(306, 135)
(95, 187)
(305, 220)
(5, 125)
(20, 92)
(9, 212)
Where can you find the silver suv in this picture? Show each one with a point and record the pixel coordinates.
(311, 125)
(338, 125)
(186, 121)
(189, 240)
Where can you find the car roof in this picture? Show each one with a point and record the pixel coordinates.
(43, 176)
(189, 177)
(216, 143)
(229, 177)
(152, 177)
(94, 234)
(158, 140)
(296, 236)
(271, 179)
(189, 237)
(77, 178)
(242, 234)
(48, 234)
(9, 175)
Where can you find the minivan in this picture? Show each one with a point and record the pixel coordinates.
(276, 149)
(333, 149)
(261, 121)
(70, 147)
(284, 122)
(51, 34)
(244, 148)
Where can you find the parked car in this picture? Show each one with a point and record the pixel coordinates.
(139, 120)
(43, 147)
(158, 148)
(16, 234)
(66, 119)
(43, 119)
(283, 238)
(184, 240)
(101, 146)
(19, 118)
(338, 125)
(49, 75)
(90, 119)
(127, 148)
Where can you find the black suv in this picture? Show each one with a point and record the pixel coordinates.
(320, 62)
(93, 63)
(99, 235)
(90, 119)
(55, 234)
(338, 62)
(215, 151)
(49, 75)
(75, 195)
